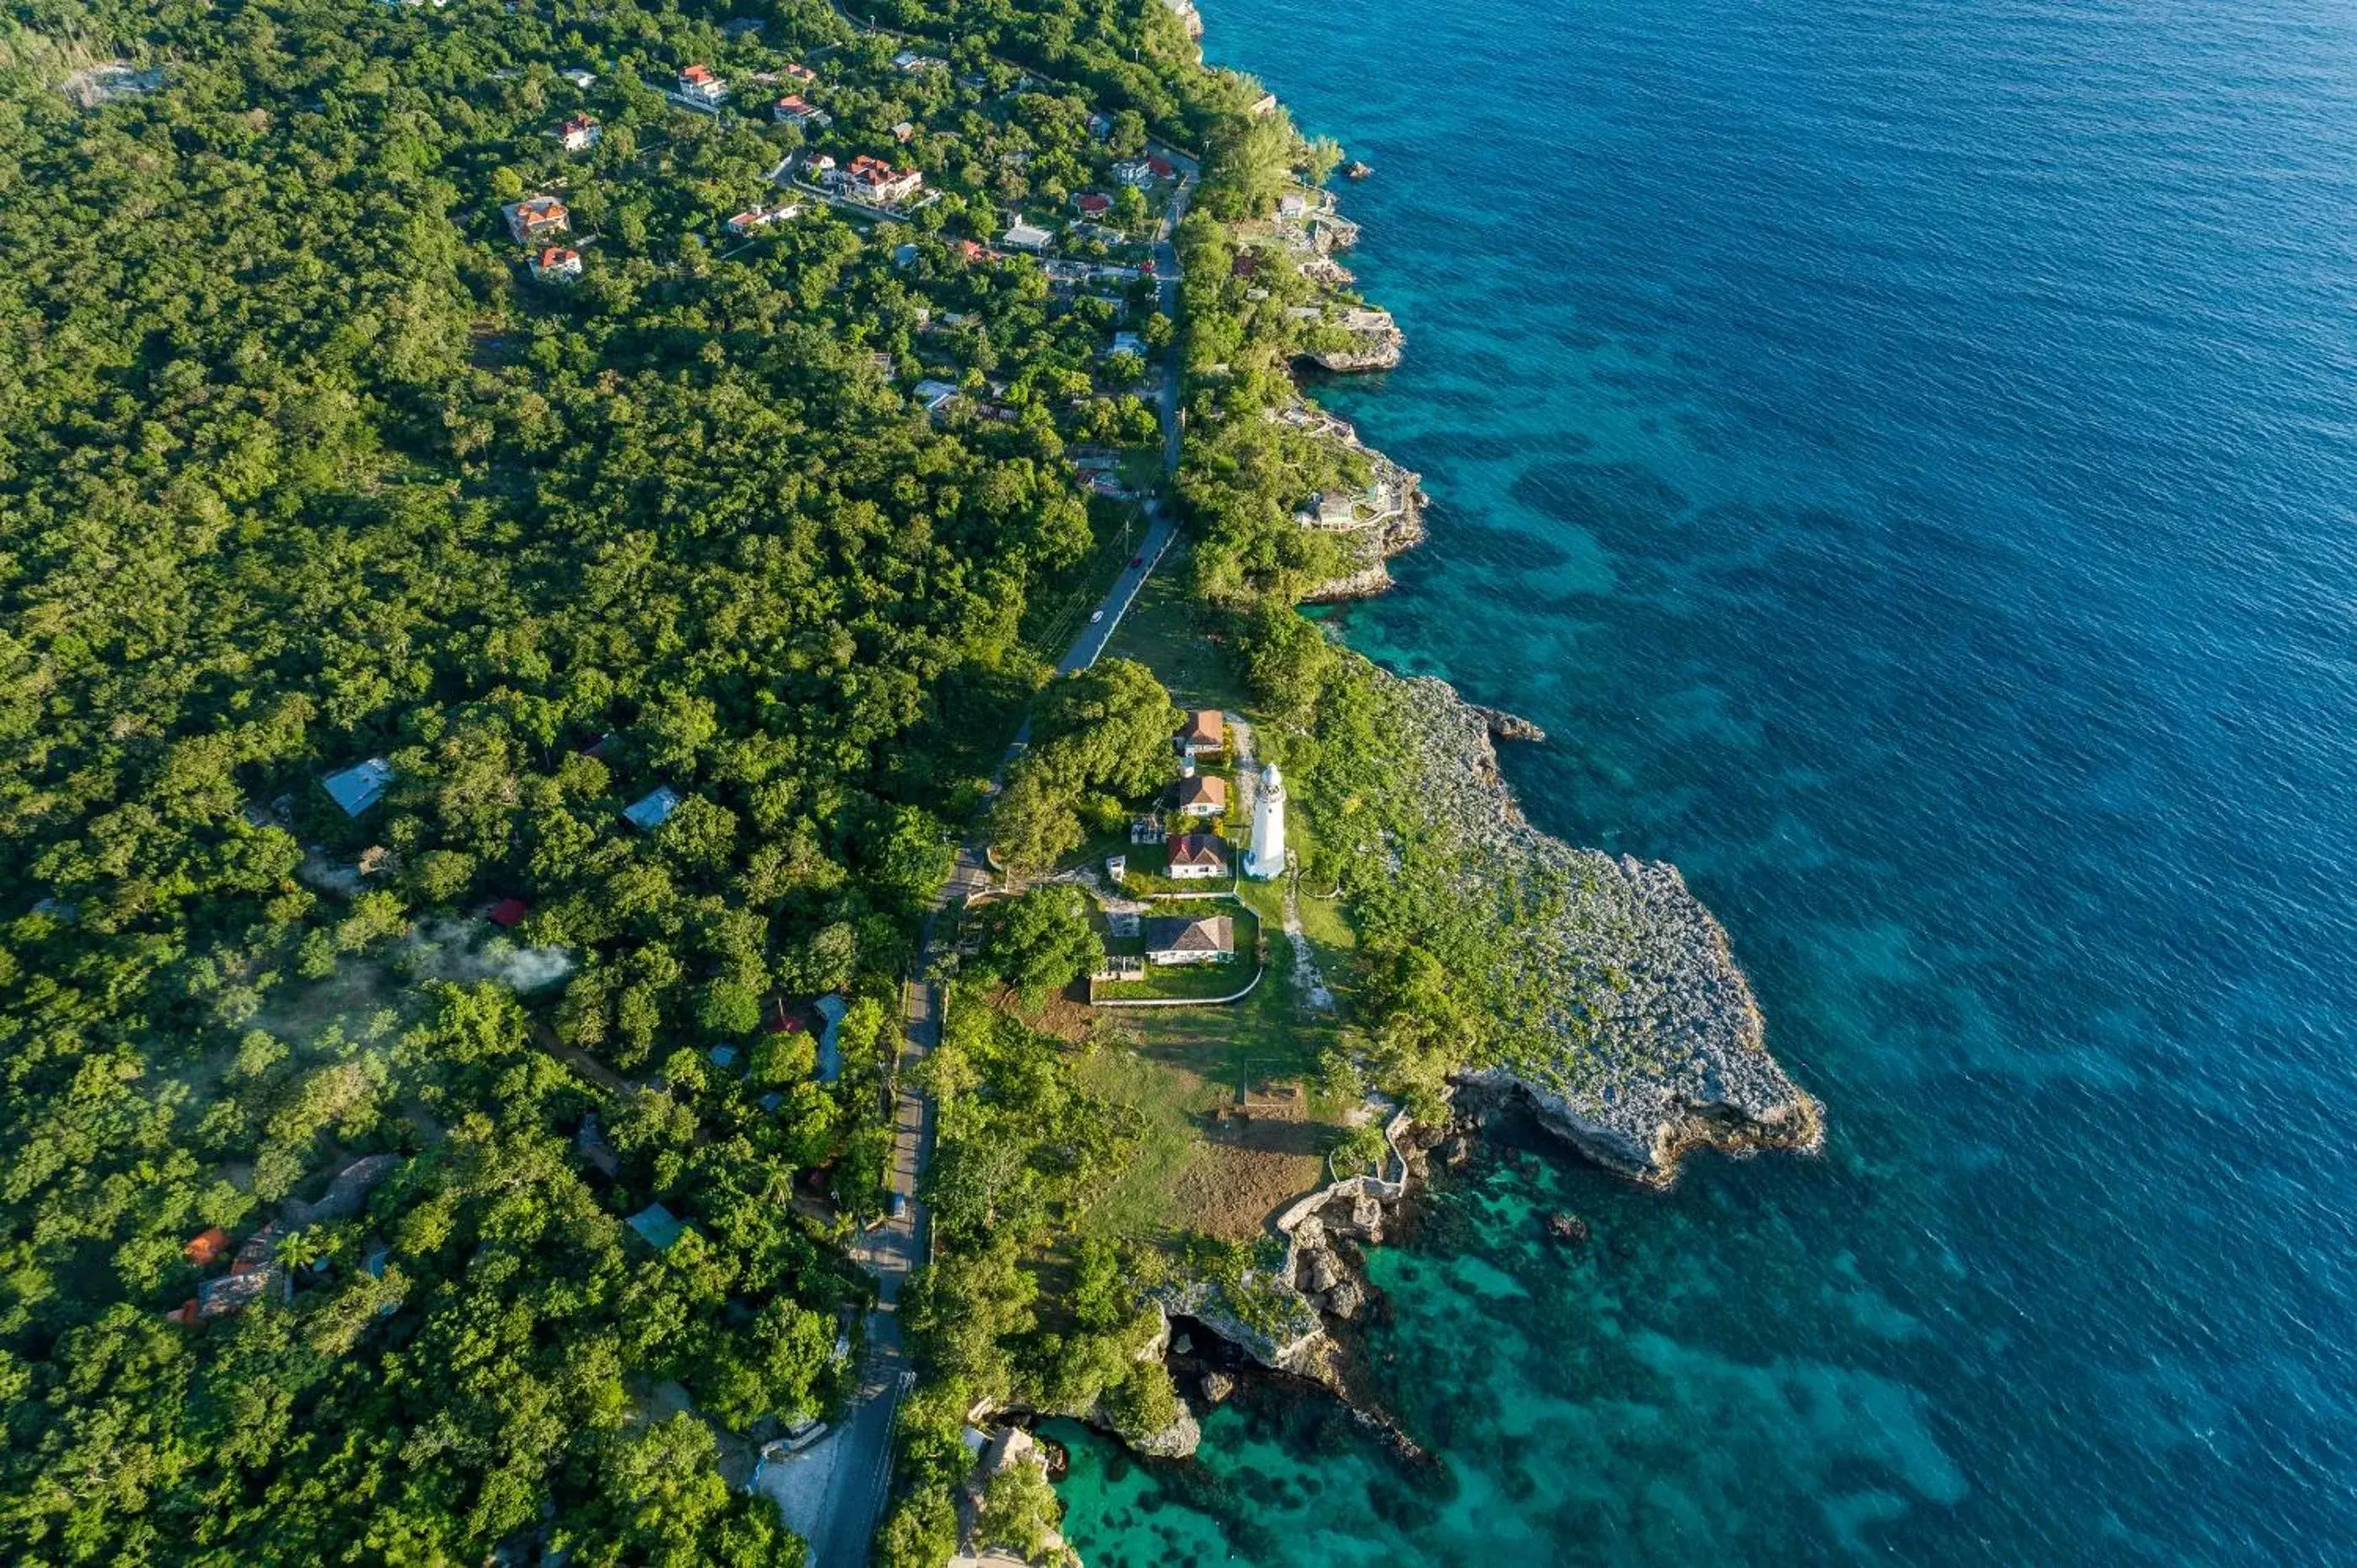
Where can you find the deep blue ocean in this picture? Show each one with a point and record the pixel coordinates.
(1906, 453)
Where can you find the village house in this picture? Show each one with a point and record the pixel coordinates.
(556, 264)
(754, 218)
(1133, 171)
(699, 85)
(1208, 940)
(580, 78)
(579, 134)
(911, 62)
(1205, 730)
(1205, 795)
(793, 109)
(1092, 204)
(360, 786)
(536, 218)
(1127, 343)
(934, 396)
(1023, 236)
(652, 810)
(796, 71)
(1198, 857)
(902, 132)
(877, 183)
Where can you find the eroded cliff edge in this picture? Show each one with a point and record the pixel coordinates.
(1624, 1019)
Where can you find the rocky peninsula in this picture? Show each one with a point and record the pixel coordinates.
(1629, 1029)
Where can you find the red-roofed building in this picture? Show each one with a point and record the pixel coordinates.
(793, 109)
(537, 217)
(1092, 204)
(1198, 857)
(872, 181)
(556, 264)
(206, 1247)
(508, 912)
(698, 83)
(579, 134)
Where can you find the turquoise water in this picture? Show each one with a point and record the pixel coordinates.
(1906, 454)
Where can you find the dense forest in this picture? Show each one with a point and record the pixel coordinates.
(461, 1162)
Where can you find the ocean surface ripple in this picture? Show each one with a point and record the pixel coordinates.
(1906, 455)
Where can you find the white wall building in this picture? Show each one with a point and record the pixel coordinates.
(1266, 857)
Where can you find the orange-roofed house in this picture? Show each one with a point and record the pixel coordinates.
(556, 264)
(698, 82)
(537, 218)
(206, 1247)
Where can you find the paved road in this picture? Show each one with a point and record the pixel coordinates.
(860, 1451)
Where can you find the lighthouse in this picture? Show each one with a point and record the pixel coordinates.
(1267, 856)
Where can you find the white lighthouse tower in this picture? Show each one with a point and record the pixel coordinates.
(1267, 856)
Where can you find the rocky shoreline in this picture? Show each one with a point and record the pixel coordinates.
(1630, 1033)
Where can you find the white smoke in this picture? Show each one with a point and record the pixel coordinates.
(448, 950)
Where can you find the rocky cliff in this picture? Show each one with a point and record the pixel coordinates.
(1625, 1023)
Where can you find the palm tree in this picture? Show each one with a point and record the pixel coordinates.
(297, 1251)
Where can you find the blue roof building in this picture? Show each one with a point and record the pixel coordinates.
(357, 788)
(653, 810)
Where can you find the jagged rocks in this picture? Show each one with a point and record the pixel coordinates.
(1345, 1298)
(1567, 1229)
(1618, 1012)
(1504, 726)
(1456, 1151)
(1217, 1387)
(1177, 1441)
(1319, 1272)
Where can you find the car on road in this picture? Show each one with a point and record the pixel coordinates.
(1136, 562)
(899, 1205)
(1095, 616)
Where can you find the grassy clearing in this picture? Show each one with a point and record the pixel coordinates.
(1168, 633)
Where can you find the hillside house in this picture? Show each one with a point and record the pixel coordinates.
(793, 109)
(754, 218)
(579, 77)
(1127, 343)
(360, 786)
(697, 84)
(1205, 730)
(537, 218)
(935, 396)
(1198, 857)
(556, 264)
(1023, 236)
(1211, 940)
(652, 810)
(903, 132)
(580, 133)
(1205, 795)
(877, 183)
(1092, 203)
(1133, 171)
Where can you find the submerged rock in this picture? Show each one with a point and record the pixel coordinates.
(1567, 1227)
(1217, 1387)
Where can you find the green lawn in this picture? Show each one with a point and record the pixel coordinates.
(1167, 631)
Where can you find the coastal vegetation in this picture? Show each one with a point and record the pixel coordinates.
(483, 725)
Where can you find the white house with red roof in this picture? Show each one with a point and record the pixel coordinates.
(698, 82)
(536, 218)
(556, 264)
(579, 134)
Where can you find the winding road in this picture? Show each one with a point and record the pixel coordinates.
(856, 1457)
